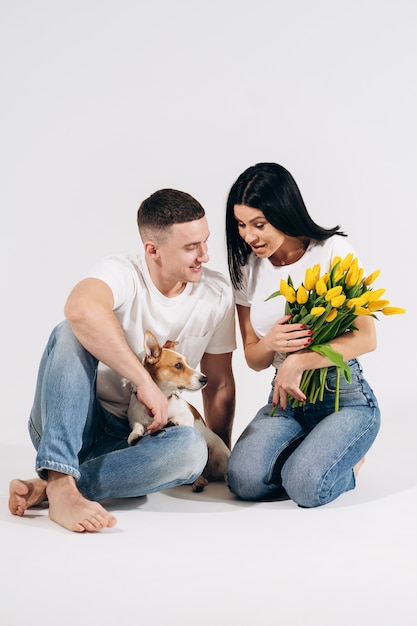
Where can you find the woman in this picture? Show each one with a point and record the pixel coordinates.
(310, 454)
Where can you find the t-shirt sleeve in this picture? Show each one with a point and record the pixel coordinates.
(241, 294)
(117, 273)
(224, 337)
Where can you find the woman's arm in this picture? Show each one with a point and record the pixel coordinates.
(350, 345)
(283, 337)
(259, 353)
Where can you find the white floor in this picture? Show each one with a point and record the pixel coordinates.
(184, 558)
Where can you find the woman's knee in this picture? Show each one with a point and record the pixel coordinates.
(243, 481)
(303, 488)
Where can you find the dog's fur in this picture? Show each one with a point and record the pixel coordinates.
(171, 372)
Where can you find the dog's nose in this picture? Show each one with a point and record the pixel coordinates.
(203, 379)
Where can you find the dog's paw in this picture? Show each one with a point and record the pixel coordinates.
(135, 435)
(199, 484)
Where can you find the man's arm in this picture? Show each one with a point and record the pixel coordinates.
(89, 311)
(219, 394)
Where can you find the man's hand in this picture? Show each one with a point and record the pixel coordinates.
(156, 403)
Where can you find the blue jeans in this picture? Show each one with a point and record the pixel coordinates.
(73, 434)
(307, 453)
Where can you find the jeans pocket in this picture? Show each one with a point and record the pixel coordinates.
(345, 388)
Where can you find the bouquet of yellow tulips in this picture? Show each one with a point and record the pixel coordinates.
(329, 304)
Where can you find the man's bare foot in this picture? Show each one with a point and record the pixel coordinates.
(25, 493)
(69, 509)
(358, 466)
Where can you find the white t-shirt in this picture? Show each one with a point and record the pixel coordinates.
(201, 318)
(261, 279)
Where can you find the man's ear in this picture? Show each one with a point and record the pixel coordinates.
(151, 248)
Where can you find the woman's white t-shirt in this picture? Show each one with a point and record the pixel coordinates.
(201, 318)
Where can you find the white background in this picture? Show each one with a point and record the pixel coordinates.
(103, 102)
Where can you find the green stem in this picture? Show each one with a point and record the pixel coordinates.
(323, 374)
(336, 402)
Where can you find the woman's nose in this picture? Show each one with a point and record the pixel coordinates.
(250, 237)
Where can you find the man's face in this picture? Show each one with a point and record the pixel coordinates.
(184, 251)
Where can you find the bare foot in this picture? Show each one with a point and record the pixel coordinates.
(69, 509)
(358, 466)
(25, 493)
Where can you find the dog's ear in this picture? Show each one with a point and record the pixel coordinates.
(170, 344)
(152, 348)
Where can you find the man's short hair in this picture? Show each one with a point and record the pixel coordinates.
(163, 209)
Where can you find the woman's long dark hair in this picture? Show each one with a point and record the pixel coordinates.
(270, 188)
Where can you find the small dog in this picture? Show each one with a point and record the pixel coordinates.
(170, 371)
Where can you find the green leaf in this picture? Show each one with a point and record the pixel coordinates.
(335, 357)
(273, 295)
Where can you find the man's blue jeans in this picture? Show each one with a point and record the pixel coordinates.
(309, 452)
(73, 434)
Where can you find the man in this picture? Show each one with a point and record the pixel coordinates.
(78, 422)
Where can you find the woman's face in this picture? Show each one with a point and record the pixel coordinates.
(259, 234)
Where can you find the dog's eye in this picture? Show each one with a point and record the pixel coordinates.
(178, 366)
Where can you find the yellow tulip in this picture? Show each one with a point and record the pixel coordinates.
(291, 295)
(352, 275)
(317, 311)
(288, 292)
(316, 272)
(338, 275)
(283, 287)
(333, 293)
(309, 280)
(377, 305)
(371, 278)
(356, 302)
(321, 287)
(302, 295)
(336, 259)
(392, 310)
(346, 263)
(325, 278)
(363, 299)
(375, 295)
(338, 301)
(366, 296)
(331, 315)
(361, 311)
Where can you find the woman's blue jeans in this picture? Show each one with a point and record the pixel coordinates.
(73, 434)
(309, 452)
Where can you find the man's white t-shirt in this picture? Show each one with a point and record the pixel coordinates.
(201, 318)
(261, 279)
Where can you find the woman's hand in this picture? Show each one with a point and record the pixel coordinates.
(283, 337)
(287, 381)
(286, 337)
